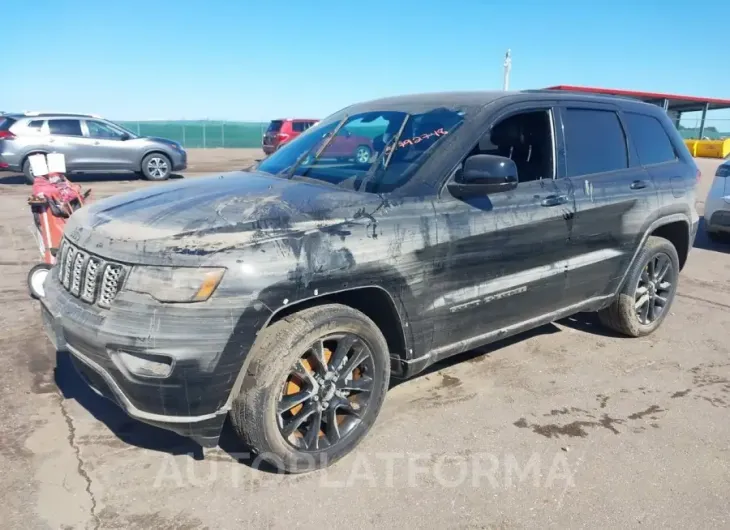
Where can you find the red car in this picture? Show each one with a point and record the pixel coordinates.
(345, 146)
(282, 131)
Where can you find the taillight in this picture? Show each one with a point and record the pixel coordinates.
(6, 135)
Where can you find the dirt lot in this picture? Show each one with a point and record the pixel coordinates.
(566, 427)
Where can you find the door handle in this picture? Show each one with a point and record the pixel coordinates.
(554, 200)
(97, 143)
(638, 185)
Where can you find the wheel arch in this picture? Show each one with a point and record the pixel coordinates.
(394, 329)
(373, 301)
(152, 151)
(677, 228)
(31, 153)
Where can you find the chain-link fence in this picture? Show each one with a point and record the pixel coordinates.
(715, 128)
(217, 134)
(202, 134)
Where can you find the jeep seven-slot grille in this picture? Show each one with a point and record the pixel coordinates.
(89, 277)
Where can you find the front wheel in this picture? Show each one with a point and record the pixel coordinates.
(314, 386)
(36, 279)
(648, 293)
(156, 166)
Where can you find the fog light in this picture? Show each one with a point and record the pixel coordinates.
(145, 365)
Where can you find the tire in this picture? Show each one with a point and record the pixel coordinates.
(36, 277)
(362, 154)
(622, 315)
(156, 166)
(257, 415)
(28, 172)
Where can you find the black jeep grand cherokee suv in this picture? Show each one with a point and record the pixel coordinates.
(288, 295)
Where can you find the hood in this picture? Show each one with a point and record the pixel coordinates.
(208, 215)
(158, 140)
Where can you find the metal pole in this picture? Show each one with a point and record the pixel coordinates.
(702, 121)
(507, 68)
(184, 142)
(665, 104)
(203, 134)
(223, 135)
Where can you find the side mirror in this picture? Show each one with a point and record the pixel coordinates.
(124, 137)
(483, 175)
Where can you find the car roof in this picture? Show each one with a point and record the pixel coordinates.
(30, 115)
(425, 101)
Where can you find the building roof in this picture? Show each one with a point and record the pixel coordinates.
(676, 102)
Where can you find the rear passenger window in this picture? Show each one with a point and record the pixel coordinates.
(301, 126)
(650, 138)
(65, 127)
(594, 142)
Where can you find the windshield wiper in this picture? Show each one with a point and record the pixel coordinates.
(290, 172)
(376, 164)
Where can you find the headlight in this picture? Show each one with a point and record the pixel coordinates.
(175, 284)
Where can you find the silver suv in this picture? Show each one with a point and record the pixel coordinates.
(89, 143)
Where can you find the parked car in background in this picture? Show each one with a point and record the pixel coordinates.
(89, 143)
(283, 131)
(717, 205)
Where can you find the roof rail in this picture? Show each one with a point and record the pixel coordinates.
(48, 113)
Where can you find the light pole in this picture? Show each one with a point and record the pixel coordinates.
(507, 68)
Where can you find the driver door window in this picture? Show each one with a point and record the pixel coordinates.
(102, 131)
(527, 139)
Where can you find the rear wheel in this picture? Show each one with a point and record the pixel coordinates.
(314, 386)
(648, 292)
(156, 166)
(28, 172)
(36, 278)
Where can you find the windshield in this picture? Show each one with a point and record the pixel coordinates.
(122, 129)
(363, 153)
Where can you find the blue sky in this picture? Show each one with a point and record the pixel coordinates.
(256, 60)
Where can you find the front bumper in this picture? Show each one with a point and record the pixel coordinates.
(207, 345)
(180, 161)
(717, 213)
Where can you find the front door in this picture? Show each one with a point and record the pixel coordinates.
(107, 151)
(502, 258)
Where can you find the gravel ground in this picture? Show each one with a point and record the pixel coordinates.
(567, 426)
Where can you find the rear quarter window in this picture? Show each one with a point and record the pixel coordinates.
(594, 141)
(275, 126)
(6, 123)
(652, 142)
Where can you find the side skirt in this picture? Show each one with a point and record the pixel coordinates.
(407, 368)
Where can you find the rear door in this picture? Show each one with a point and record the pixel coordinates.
(67, 138)
(658, 155)
(613, 196)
